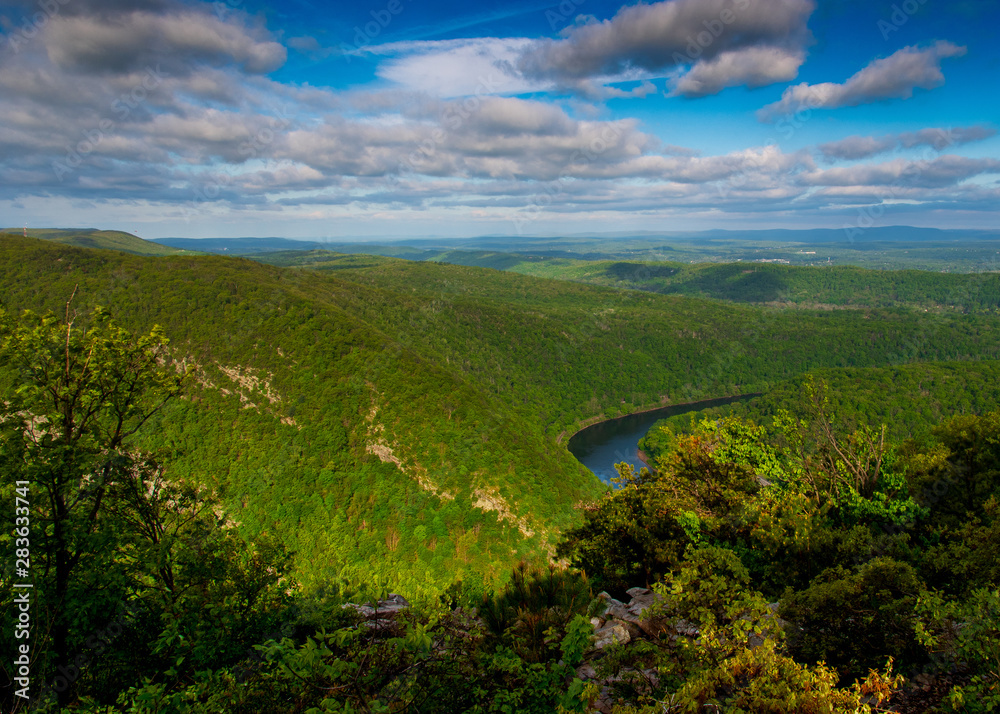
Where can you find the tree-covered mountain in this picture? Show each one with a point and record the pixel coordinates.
(95, 238)
(370, 421)
(829, 287)
(402, 418)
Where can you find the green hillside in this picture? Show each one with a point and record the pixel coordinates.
(406, 420)
(94, 238)
(370, 424)
(909, 399)
(839, 286)
(759, 283)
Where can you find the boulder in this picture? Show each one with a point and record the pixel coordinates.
(586, 671)
(613, 608)
(382, 610)
(610, 634)
(635, 632)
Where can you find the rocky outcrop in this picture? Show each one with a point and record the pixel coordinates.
(382, 615)
(620, 623)
(634, 617)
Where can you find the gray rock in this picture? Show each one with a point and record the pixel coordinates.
(642, 602)
(366, 611)
(613, 608)
(387, 608)
(586, 671)
(610, 634)
(634, 630)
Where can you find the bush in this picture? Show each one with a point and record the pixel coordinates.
(856, 620)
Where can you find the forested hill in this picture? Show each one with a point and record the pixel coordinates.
(94, 238)
(839, 286)
(399, 420)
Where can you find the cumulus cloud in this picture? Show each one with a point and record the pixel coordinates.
(943, 171)
(893, 77)
(137, 39)
(507, 138)
(752, 67)
(210, 131)
(862, 147)
(666, 34)
(857, 147)
(704, 45)
(941, 138)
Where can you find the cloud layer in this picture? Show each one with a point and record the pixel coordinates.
(174, 107)
(863, 147)
(703, 46)
(894, 77)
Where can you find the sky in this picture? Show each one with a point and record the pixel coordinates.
(402, 118)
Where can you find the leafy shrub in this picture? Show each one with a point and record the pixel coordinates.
(855, 620)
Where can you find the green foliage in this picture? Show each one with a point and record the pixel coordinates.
(962, 471)
(727, 652)
(396, 425)
(74, 400)
(966, 632)
(537, 610)
(628, 538)
(855, 619)
(761, 680)
(964, 558)
(104, 240)
(908, 399)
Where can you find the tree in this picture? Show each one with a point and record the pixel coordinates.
(74, 397)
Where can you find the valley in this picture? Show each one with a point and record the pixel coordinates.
(399, 425)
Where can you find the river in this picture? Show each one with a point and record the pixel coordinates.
(600, 446)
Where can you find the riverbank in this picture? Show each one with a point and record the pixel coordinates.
(606, 442)
(699, 403)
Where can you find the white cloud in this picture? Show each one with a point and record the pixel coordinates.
(725, 42)
(458, 68)
(893, 77)
(137, 39)
(862, 147)
(215, 135)
(940, 172)
(752, 67)
(719, 43)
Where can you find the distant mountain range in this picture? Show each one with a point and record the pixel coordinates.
(576, 243)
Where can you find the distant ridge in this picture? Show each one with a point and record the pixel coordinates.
(412, 246)
(95, 238)
(239, 246)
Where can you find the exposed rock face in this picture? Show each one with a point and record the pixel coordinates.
(634, 616)
(614, 632)
(622, 624)
(382, 615)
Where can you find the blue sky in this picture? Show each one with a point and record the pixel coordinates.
(437, 117)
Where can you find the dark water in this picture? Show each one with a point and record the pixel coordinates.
(601, 446)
